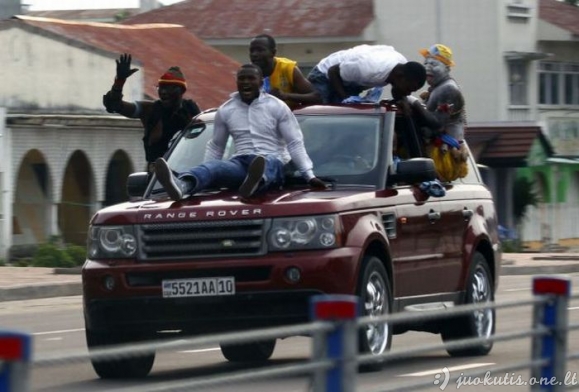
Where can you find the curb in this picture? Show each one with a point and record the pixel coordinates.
(20, 293)
(539, 270)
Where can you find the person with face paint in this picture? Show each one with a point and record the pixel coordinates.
(443, 112)
(266, 135)
(443, 98)
(282, 77)
(161, 118)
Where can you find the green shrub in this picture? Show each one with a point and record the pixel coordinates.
(22, 262)
(50, 255)
(2, 263)
(511, 246)
(77, 254)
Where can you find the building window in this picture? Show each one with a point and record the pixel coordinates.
(518, 82)
(571, 84)
(518, 11)
(558, 83)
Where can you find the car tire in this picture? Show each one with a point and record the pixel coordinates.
(375, 293)
(248, 352)
(138, 366)
(481, 323)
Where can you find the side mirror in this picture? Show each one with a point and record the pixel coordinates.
(137, 184)
(413, 171)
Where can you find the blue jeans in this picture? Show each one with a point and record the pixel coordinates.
(322, 84)
(230, 173)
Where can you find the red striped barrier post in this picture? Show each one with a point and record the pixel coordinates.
(340, 344)
(552, 315)
(15, 350)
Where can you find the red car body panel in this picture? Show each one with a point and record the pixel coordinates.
(425, 243)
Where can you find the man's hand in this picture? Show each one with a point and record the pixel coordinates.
(124, 67)
(113, 101)
(316, 183)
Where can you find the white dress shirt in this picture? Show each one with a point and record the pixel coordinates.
(267, 126)
(364, 65)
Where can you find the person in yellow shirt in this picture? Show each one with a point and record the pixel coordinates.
(282, 77)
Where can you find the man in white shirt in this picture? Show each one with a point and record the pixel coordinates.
(266, 135)
(348, 72)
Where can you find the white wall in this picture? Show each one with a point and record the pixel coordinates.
(9, 8)
(5, 181)
(478, 32)
(41, 72)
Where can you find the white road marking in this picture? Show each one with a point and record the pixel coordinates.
(51, 339)
(574, 308)
(202, 350)
(525, 289)
(58, 332)
(450, 369)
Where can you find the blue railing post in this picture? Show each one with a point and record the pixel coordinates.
(14, 360)
(341, 344)
(553, 346)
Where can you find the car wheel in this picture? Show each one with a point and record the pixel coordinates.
(376, 296)
(137, 366)
(248, 352)
(481, 323)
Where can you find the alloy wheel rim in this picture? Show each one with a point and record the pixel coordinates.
(376, 305)
(481, 293)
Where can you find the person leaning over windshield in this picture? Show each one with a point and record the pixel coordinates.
(161, 118)
(265, 133)
(282, 77)
(348, 72)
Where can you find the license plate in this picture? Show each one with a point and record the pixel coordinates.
(204, 287)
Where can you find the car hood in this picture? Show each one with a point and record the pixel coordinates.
(227, 205)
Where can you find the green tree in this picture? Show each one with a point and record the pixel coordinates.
(572, 2)
(524, 196)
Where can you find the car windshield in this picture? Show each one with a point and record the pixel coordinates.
(343, 148)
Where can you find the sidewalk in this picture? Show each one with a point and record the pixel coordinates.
(21, 283)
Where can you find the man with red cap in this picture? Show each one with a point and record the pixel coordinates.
(161, 118)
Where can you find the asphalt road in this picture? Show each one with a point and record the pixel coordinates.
(57, 327)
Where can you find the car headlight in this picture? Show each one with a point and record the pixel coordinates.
(306, 232)
(111, 242)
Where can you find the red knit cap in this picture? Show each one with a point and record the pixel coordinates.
(173, 76)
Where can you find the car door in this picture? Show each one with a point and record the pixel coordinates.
(415, 249)
(458, 207)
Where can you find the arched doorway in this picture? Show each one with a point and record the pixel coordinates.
(32, 207)
(77, 198)
(116, 181)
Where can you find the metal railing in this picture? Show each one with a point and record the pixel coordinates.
(335, 359)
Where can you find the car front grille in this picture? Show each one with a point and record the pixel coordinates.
(208, 239)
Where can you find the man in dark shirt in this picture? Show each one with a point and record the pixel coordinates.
(161, 118)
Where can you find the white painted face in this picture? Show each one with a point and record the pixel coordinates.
(436, 71)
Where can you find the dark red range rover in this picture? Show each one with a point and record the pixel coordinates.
(214, 263)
